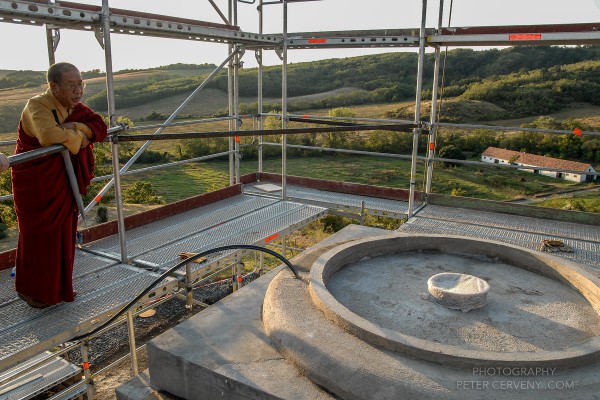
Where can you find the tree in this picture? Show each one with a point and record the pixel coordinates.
(338, 139)
(451, 152)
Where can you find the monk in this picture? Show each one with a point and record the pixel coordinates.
(44, 200)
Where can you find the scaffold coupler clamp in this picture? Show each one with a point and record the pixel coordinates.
(113, 133)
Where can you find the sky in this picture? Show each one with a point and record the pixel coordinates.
(24, 47)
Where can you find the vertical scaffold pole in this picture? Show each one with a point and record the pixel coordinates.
(110, 98)
(85, 361)
(189, 293)
(131, 331)
(259, 57)
(284, 105)
(172, 117)
(417, 131)
(434, 108)
(52, 38)
(230, 99)
(236, 101)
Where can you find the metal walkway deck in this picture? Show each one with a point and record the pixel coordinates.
(517, 230)
(105, 284)
(352, 203)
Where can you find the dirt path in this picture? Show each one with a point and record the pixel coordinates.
(555, 195)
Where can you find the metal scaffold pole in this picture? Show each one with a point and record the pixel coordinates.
(52, 39)
(284, 105)
(230, 101)
(434, 108)
(417, 130)
(160, 129)
(259, 57)
(236, 102)
(110, 94)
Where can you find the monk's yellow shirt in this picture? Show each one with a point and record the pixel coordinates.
(38, 121)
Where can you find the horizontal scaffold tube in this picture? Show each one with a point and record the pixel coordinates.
(513, 128)
(266, 132)
(321, 121)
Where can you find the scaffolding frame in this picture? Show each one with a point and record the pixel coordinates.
(104, 21)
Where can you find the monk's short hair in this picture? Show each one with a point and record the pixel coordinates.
(56, 71)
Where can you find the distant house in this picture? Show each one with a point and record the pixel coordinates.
(578, 172)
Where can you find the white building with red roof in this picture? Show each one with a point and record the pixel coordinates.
(557, 168)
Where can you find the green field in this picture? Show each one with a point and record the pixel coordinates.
(485, 183)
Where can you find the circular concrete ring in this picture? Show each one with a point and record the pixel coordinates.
(574, 275)
(458, 291)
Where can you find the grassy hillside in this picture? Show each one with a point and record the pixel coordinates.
(490, 84)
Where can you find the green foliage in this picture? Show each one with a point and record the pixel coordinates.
(153, 157)
(524, 79)
(154, 88)
(21, 79)
(338, 139)
(156, 116)
(142, 193)
(458, 192)
(383, 222)
(95, 73)
(7, 214)
(540, 91)
(204, 146)
(452, 152)
(5, 183)
(334, 223)
(574, 204)
(587, 203)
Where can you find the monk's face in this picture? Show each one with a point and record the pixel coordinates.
(70, 88)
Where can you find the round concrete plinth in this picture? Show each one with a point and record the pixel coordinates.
(332, 356)
(374, 288)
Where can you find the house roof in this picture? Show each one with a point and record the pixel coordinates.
(535, 160)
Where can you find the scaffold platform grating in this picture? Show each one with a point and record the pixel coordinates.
(105, 284)
(521, 231)
(335, 201)
(39, 379)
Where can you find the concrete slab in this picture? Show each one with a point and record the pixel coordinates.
(139, 388)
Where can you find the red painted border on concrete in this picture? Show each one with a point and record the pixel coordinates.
(341, 187)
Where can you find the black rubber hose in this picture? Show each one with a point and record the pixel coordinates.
(179, 265)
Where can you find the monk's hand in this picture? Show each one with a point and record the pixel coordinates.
(4, 163)
(68, 125)
(84, 141)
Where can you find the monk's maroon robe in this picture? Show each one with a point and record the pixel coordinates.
(47, 214)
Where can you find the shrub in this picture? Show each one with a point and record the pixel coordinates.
(334, 223)
(458, 192)
(142, 193)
